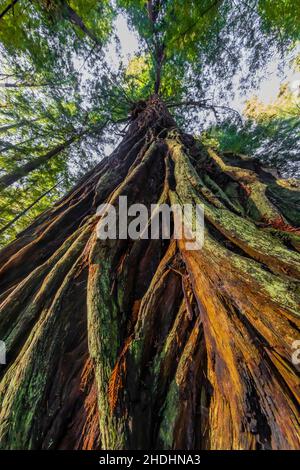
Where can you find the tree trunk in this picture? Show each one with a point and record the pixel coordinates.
(24, 85)
(24, 170)
(128, 344)
(8, 8)
(76, 20)
(17, 125)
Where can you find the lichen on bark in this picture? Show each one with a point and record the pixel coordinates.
(144, 344)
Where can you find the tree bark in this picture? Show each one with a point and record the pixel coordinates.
(143, 344)
(24, 211)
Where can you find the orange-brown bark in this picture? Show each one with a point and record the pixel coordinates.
(125, 344)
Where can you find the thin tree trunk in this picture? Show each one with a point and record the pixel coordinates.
(24, 211)
(9, 146)
(8, 8)
(160, 56)
(24, 85)
(17, 125)
(76, 20)
(126, 344)
(24, 170)
(68, 13)
(18, 173)
(153, 8)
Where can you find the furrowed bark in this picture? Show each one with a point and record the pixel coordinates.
(146, 344)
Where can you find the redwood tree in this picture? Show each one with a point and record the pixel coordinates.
(144, 344)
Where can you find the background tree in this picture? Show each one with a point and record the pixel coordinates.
(50, 109)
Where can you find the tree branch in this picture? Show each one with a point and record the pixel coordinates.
(9, 7)
(15, 219)
(75, 19)
(187, 103)
(203, 13)
(203, 104)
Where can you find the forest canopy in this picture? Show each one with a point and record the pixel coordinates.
(65, 98)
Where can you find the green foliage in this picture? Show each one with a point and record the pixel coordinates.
(206, 43)
(140, 76)
(34, 121)
(182, 29)
(56, 82)
(282, 17)
(271, 133)
(16, 199)
(181, 25)
(286, 104)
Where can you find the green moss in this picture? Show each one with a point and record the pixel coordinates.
(244, 233)
(104, 333)
(170, 411)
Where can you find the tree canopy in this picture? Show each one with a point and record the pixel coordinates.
(62, 101)
(270, 132)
